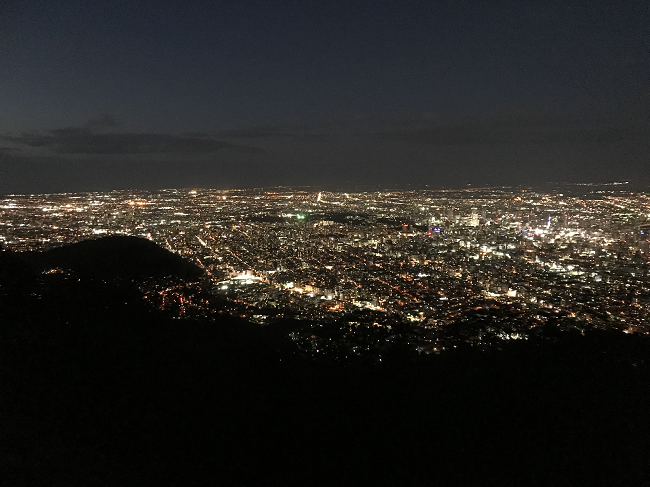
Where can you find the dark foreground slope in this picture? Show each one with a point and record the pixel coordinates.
(114, 394)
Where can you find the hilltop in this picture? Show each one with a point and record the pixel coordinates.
(123, 257)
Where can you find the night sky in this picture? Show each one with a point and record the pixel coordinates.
(336, 94)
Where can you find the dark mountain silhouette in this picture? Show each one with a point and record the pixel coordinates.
(121, 257)
(14, 270)
(97, 388)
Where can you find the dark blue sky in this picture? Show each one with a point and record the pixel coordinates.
(99, 95)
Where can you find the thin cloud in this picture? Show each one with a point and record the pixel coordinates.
(515, 130)
(102, 122)
(76, 140)
(254, 133)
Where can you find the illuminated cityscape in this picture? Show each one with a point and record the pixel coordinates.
(327, 244)
(475, 266)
